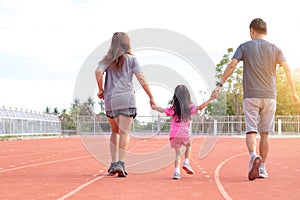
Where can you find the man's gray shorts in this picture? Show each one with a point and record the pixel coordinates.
(259, 114)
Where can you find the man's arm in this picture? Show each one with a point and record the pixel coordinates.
(229, 70)
(227, 73)
(290, 79)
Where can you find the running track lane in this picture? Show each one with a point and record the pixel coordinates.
(63, 176)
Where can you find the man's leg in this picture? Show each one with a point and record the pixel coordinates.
(266, 126)
(263, 150)
(251, 142)
(251, 112)
(264, 146)
(255, 160)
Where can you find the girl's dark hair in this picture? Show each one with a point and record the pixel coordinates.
(259, 25)
(181, 103)
(120, 46)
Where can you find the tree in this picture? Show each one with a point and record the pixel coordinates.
(90, 102)
(284, 103)
(67, 121)
(75, 107)
(101, 103)
(55, 111)
(47, 110)
(231, 98)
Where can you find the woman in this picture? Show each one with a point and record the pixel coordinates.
(119, 98)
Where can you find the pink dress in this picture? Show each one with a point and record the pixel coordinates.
(179, 131)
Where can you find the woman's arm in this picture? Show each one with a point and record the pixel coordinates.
(142, 80)
(99, 78)
(158, 108)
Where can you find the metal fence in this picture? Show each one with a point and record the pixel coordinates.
(15, 122)
(201, 124)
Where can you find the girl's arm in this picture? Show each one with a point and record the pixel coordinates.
(158, 108)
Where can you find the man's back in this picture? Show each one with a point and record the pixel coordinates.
(259, 73)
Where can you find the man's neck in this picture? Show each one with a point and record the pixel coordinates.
(258, 36)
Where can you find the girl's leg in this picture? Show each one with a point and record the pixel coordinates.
(188, 151)
(186, 164)
(177, 157)
(177, 163)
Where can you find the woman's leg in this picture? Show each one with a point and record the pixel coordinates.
(114, 139)
(124, 129)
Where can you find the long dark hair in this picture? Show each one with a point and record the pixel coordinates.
(181, 103)
(120, 46)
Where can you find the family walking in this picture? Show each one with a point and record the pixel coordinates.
(260, 59)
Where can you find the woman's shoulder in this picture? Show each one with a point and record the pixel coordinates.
(132, 61)
(102, 66)
(130, 57)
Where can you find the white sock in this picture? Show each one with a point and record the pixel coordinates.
(262, 166)
(186, 161)
(177, 170)
(252, 154)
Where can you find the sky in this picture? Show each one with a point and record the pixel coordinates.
(43, 44)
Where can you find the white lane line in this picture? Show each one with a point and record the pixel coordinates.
(44, 163)
(36, 153)
(217, 176)
(68, 195)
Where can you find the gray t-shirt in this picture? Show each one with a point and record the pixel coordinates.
(118, 86)
(259, 71)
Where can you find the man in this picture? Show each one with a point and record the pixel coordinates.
(259, 85)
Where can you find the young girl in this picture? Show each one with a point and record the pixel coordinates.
(181, 111)
(119, 98)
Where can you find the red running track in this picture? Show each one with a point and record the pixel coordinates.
(62, 168)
